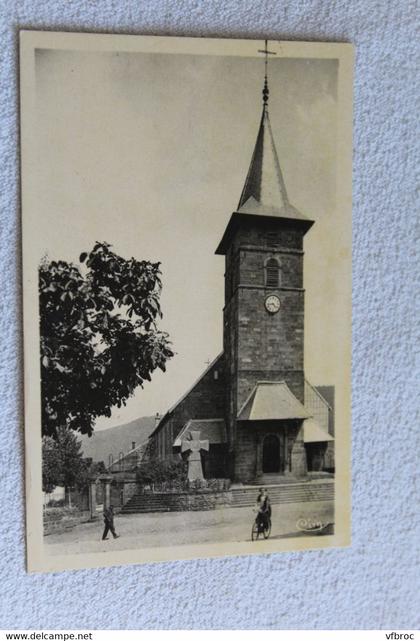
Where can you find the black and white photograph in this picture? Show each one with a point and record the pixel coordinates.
(187, 297)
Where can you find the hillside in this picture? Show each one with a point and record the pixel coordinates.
(116, 439)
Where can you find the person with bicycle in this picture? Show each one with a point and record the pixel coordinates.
(263, 509)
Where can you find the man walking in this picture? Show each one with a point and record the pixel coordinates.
(109, 523)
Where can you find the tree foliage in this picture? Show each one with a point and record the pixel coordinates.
(63, 463)
(156, 471)
(51, 464)
(99, 338)
(73, 469)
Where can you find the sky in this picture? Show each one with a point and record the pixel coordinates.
(149, 152)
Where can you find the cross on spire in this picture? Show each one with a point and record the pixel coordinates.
(266, 91)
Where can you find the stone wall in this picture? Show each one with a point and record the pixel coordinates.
(214, 461)
(245, 460)
(181, 501)
(328, 392)
(58, 520)
(270, 234)
(269, 346)
(205, 400)
(252, 263)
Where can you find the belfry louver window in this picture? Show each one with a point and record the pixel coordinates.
(272, 273)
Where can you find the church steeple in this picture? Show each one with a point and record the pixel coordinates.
(264, 190)
(264, 193)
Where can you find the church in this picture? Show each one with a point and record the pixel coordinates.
(262, 420)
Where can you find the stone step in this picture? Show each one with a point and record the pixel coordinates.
(246, 496)
(273, 491)
(237, 497)
(278, 497)
(250, 499)
(287, 498)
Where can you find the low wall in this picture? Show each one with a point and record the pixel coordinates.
(58, 520)
(177, 501)
(198, 501)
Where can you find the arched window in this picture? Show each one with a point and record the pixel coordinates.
(272, 273)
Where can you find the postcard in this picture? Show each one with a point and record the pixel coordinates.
(186, 223)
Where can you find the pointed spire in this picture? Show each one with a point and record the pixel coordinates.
(264, 192)
(264, 188)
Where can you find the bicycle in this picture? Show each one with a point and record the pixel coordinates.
(261, 526)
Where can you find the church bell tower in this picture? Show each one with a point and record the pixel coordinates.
(264, 319)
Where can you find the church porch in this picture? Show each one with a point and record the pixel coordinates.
(276, 437)
(269, 452)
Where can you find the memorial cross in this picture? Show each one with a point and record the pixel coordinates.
(194, 445)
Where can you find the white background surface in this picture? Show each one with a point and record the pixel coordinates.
(372, 584)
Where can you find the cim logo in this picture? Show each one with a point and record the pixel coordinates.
(309, 524)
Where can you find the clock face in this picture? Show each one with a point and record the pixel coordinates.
(272, 304)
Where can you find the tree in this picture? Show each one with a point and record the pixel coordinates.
(86, 471)
(74, 470)
(63, 463)
(99, 337)
(51, 464)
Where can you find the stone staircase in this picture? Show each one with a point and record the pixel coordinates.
(242, 496)
(297, 492)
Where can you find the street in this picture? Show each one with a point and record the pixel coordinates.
(162, 529)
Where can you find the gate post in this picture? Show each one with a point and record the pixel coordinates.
(106, 487)
(92, 498)
(258, 468)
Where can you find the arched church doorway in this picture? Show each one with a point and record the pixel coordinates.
(271, 454)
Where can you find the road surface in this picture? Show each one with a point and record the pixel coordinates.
(156, 529)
